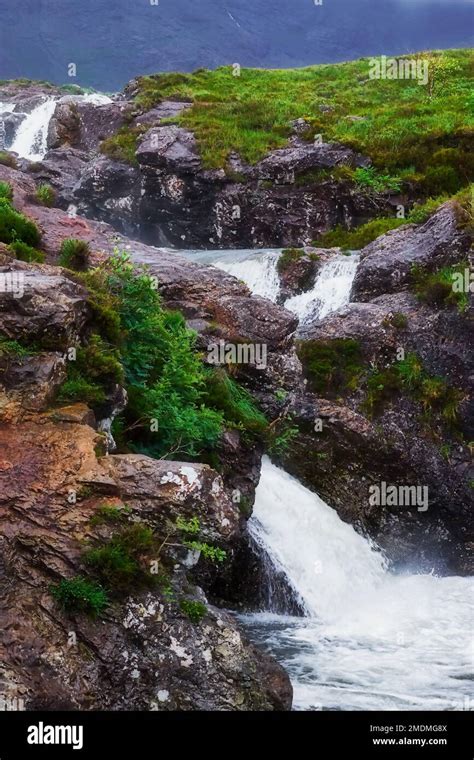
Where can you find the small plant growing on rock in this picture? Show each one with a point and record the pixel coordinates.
(6, 191)
(195, 610)
(331, 366)
(74, 254)
(6, 159)
(11, 349)
(24, 252)
(80, 595)
(79, 388)
(288, 257)
(436, 288)
(16, 227)
(397, 320)
(108, 514)
(45, 195)
(117, 563)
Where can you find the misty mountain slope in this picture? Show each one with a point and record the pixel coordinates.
(110, 42)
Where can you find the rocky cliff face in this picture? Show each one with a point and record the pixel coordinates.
(166, 197)
(159, 647)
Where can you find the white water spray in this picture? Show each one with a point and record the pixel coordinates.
(372, 640)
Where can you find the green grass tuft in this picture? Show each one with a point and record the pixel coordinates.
(80, 595)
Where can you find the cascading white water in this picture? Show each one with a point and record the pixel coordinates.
(31, 138)
(330, 291)
(258, 271)
(372, 640)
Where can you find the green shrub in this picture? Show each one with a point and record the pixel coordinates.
(194, 610)
(208, 551)
(16, 227)
(421, 212)
(6, 159)
(397, 320)
(287, 257)
(80, 595)
(236, 404)
(437, 288)
(165, 378)
(434, 393)
(280, 438)
(27, 253)
(107, 514)
(79, 388)
(74, 254)
(99, 361)
(123, 145)
(117, 563)
(370, 178)
(332, 367)
(354, 240)
(11, 349)
(6, 191)
(45, 195)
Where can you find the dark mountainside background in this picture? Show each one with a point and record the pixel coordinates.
(112, 41)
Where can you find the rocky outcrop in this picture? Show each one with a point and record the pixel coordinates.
(145, 654)
(160, 646)
(176, 201)
(387, 263)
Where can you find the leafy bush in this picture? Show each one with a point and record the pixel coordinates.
(16, 227)
(74, 254)
(27, 253)
(193, 609)
(332, 367)
(80, 595)
(6, 191)
(165, 378)
(45, 195)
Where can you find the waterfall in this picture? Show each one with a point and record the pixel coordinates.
(371, 639)
(331, 290)
(257, 270)
(31, 138)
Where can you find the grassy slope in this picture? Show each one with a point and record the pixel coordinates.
(405, 130)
